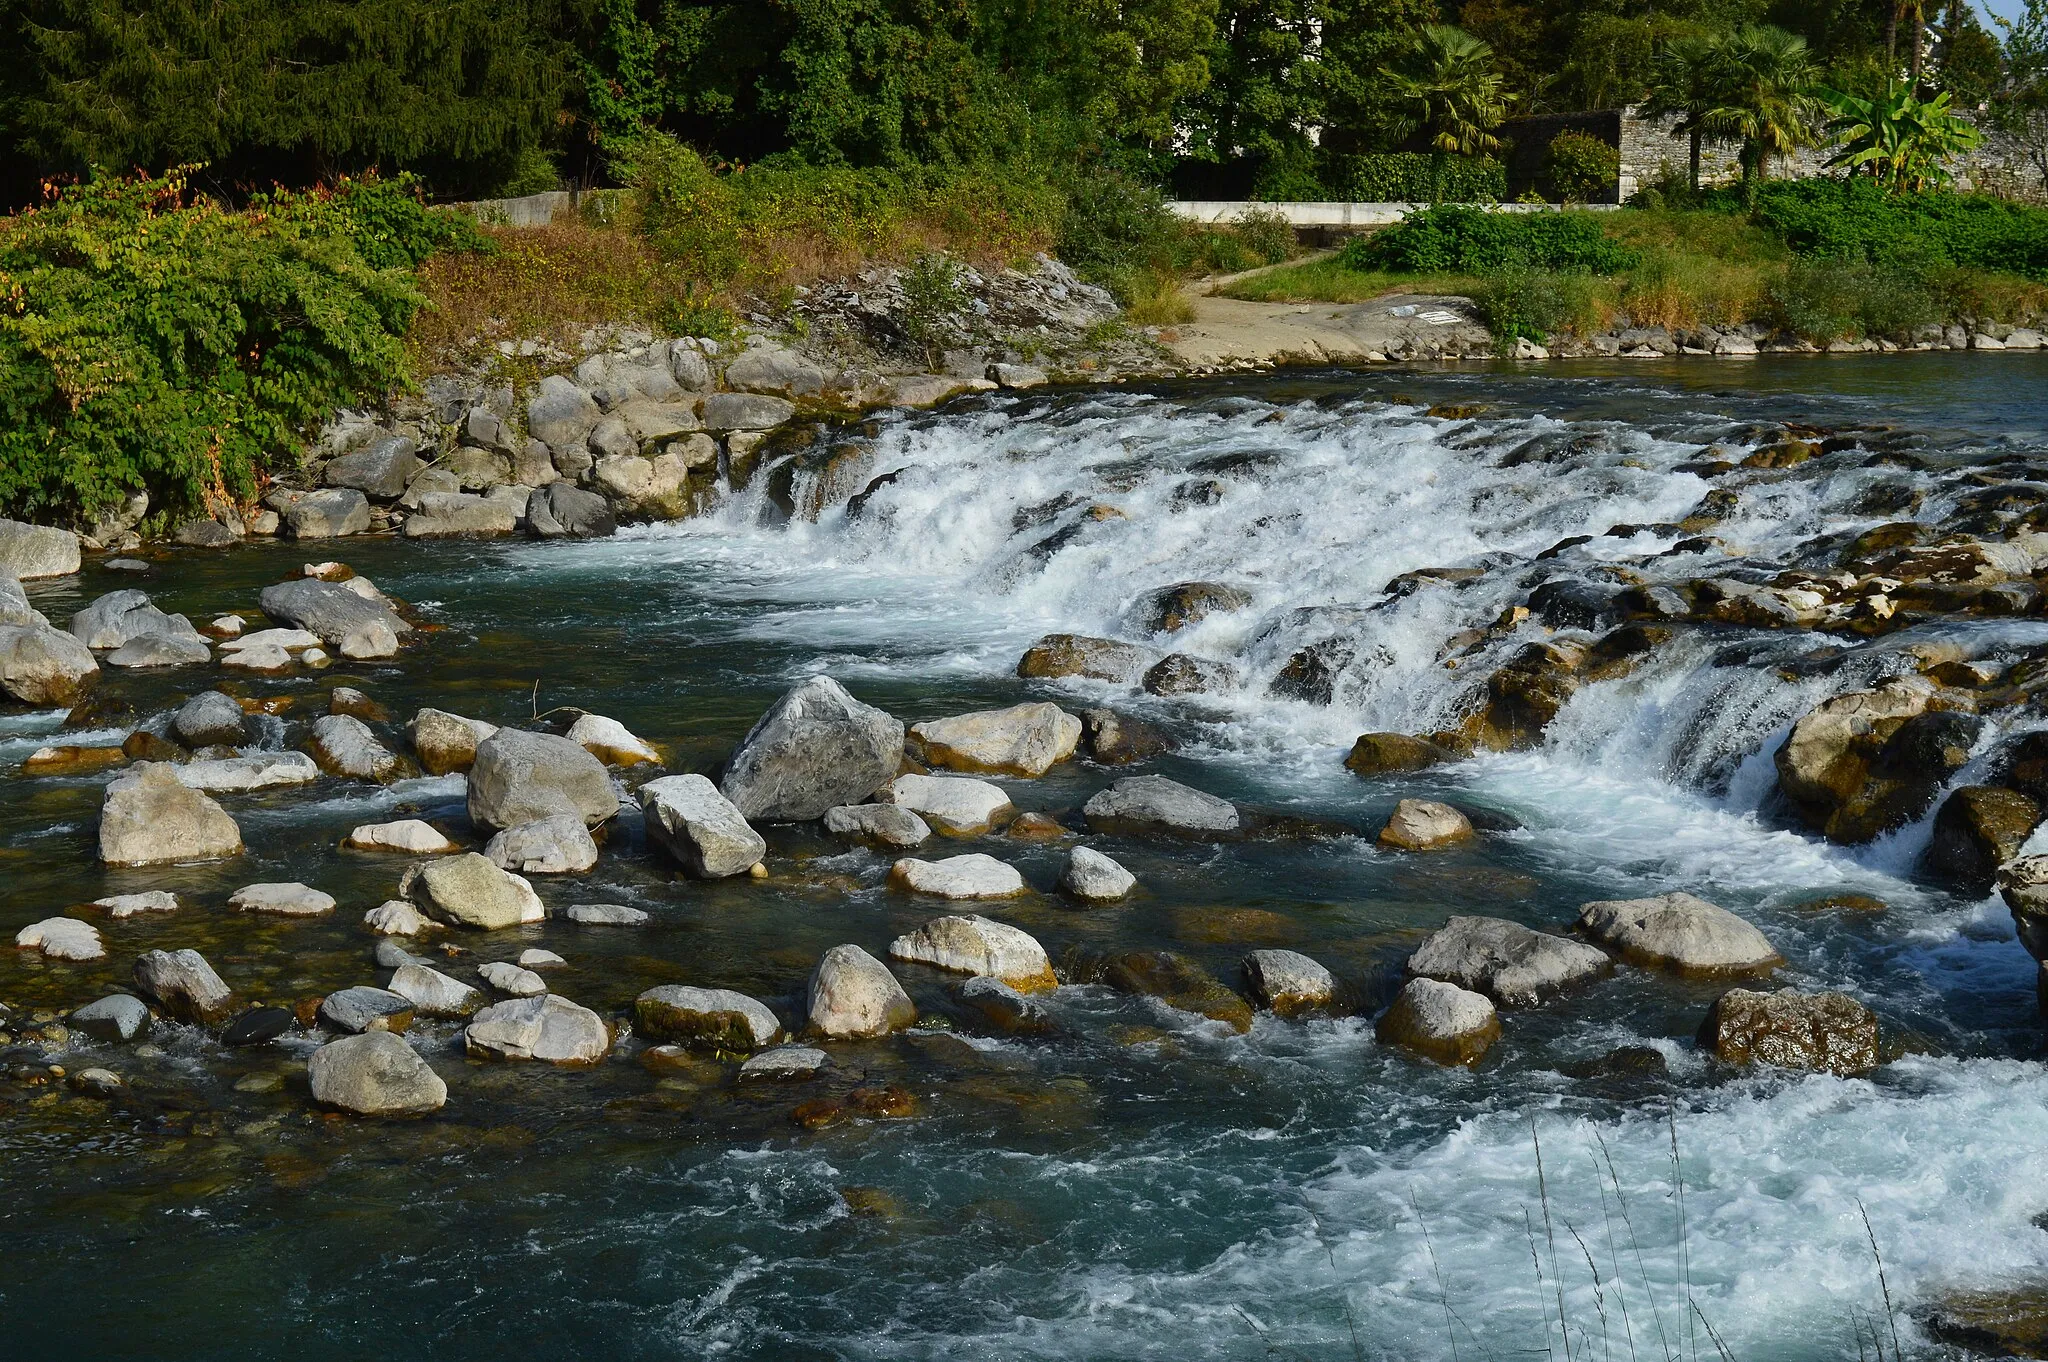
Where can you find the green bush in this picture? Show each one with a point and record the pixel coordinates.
(1519, 302)
(150, 341)
(1410, 177)
(1856, 219)
(1825, 300)
(1267, 235)
(1455, 240)
(1583, 169)
(1117, 229)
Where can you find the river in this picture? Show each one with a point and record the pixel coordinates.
(1144, 1184)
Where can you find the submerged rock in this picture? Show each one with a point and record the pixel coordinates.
(2007, 1323)
(1825, 1032)
(882, 825)
(687, 817)
(606, 915)
(1679, 932)
(1382, 754)
(1023, 740)
(705, 1018)
(1440, 1021)
(376, 1074)
(469, 891)
(1506, 960)
(974, 876)
(1166, 975)
(815, 748)
(1100, 659)
(1184, 674)
(560, 845)
(149, 818)
(521, 777)
(1424, 825)
(783, 1063)
(853, 996)
(549, 1028)
(979, 945)
(362, 1008)
(1091, 876)
(1002, 1008)
(61, 938)
(1173, 608)
(1288, 982)
(1155, 806)
(183, 985)
(954, 806)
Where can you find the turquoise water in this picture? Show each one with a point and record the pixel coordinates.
(1145, 1184)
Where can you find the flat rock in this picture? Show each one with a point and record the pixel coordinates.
(1440, 1021)
(209, 719)
(356, 625)
(412, 836)
(1023, 740)
(1822, 1032)
(434, 994)
(687, 817)
(979, 945)
(32, 551)
(1505, 960)
(882, 825)
(266, 658)
(1156, 806)
(446, 743)
(113, 1019)
(62, 938)
(783, 1063)
(611, 742)
(149, 818)
(1091, 876)
(1424, 825)
(606, 915)
(469, 891)
(745, 411)
(815, 748)
(1680, 932)
(134, 905)
(954, 806)
(183, 985)
(262, 771)
(853, 996)
(376, 1074)
(160, 650)
(1098, 659)
(362, 1008)
(974, 876)
(705, 1018)
(521, 777)
(460, 515)
(533, 957)
(560, 845)
(281, 900)
(43, 666)
(549, 1028)
(511, 980)
(1288, 982)
(330, 514)
(395, 917)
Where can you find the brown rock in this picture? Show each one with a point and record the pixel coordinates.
(1825, 1032)
(1863, 763)
(1114, 739)
(1036, 827)
(1424, 825)
(1173, 608)
(1526, 694)
(1979, 828)
(1173, 979)
(2010, 1323)
(1101, 659)
(1380, 754)
(1181, 674)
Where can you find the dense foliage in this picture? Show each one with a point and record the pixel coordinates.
(1411, 177)
(1856, 220)
(1580, 168)
(1455, 239)
(154, 341)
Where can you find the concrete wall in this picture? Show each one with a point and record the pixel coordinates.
(539, 210)
(1337, 216)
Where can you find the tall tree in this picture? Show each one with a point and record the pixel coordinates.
(1687, 83)
(1769, 102)
(1452, 92)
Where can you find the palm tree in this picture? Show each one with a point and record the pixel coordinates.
(1767, 102)
(1452, 91)
(1686, 82)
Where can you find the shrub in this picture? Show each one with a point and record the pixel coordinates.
(154, 342)
(1581, 168)
(1824, 300)
(932, 299)
(1410, 177)
(1266, 234)
(1519, 302)
(1857, 220)
(1469, 241)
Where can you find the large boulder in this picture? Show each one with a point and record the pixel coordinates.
(519, 777)
(548, 1027)
(31, 551)
(2024, 886)
(958, 877)
(954, 806)
(772, 369)
(149, 817)
(706, 1018)
(1824, 1032)
(1504, 959)
(853, 996)
(120, 617)
(330, 514)
(1095, 878)
(688, 818)
(375, 1074)
(210, 718)
(998, 1007)
(432, 993)
(184, 986)
(458, 515)
(345, 746)
(1440, 1021)
(979, 945)
(558, 845)
(469, 891)
(14, 602)
(1679, 932)
(560, 413)
(1023, 740)
(1979, 829)
(1166, 975)
(562, 511)
(1099, 659)
(1156, 806)
(1864, 763)
(446, 743)
(382, 470)
(1288, 982)
(745, 411)
(1383, 754)
(816, 747)
(356, 625)
(1424, 825)
(42, 666)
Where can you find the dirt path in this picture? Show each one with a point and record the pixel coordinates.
(1231, 332)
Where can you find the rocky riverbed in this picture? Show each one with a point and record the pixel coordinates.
(1234, 808)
